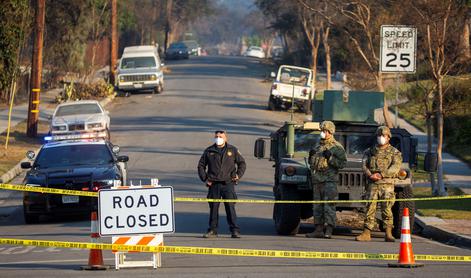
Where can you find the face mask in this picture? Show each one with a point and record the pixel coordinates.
(382, 140)
(322, 135)
(219, 141)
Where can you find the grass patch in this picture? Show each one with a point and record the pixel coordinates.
(18, 145)
(446, 209)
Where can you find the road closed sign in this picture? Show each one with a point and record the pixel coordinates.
(398, 49)
(136, 211)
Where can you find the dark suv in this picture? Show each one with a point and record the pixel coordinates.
(86, 165)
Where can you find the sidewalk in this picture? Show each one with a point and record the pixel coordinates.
(20, 112)
(457, 173)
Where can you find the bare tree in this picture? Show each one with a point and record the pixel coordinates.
(326, 20)
(363, 33)
(99, 18)
(311, 23)
(438, 20)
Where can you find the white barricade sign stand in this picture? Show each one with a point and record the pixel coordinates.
(137, 215)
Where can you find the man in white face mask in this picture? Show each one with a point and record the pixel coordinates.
(220, 168)
(381, 164)
(325, 160)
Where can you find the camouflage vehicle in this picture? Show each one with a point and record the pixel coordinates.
(353, 114)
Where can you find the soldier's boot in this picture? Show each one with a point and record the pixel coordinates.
(318, 232)
(328, 231)
(365, 236)
(388, 237)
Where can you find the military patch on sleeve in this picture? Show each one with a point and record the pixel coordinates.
(229, 153)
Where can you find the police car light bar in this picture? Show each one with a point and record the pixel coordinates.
(96, 135)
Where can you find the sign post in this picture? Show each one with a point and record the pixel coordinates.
(398, 52)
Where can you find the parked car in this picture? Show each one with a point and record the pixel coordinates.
(292, 88)
(177, 50)
(85, 165)
(140, 69)
(84, 116)
(255, 51)
(193, 48)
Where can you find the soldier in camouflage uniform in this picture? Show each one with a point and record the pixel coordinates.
(381, 164)
(325, 160)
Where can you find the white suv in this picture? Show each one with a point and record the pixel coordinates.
(140, 69)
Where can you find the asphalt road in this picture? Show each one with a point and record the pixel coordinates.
(164, 135)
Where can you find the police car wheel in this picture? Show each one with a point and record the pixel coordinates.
(31, 218)
(403, 193)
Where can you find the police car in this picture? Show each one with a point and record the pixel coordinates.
(85, 162)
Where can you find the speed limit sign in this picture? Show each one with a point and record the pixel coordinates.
(398, 49)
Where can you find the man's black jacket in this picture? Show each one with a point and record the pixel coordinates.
(220, 165)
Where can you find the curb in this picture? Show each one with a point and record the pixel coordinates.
(16, 170)
(442, 235)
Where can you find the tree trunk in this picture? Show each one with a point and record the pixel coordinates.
(465, 47)
(314, 67)
(168, 25)
(429, 150)
(325, 42)
(386, 115)
(441, 184)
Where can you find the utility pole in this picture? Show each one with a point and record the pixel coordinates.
(114, 40)
(36, 69)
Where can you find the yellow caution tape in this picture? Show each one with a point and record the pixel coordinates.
(38, 189)
(49, 190)
(230, 251)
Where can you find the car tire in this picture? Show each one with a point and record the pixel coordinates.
(31, 218)
(272, 104)
(403, 193)
(287, 217)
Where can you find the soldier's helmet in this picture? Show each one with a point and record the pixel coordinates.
(383, 130)
(328, 126)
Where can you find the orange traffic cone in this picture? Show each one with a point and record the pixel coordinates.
(95, 259)
(406, 256)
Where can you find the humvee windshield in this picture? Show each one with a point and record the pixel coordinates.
(304, 141)
(357, 144)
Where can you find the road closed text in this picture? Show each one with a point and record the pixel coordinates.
(131, 221)
(136, 211)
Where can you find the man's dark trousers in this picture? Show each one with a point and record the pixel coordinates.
(224, 190)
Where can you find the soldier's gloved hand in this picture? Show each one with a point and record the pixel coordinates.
(236, 179)
(327, 154)
(376, 177)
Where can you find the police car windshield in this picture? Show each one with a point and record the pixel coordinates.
(78, 109)
(304, 141)
(138, 62)
(73, 155)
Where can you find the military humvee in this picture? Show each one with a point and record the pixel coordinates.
(353, 114)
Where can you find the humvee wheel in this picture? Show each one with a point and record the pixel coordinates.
(404, 193)
(287, 216)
